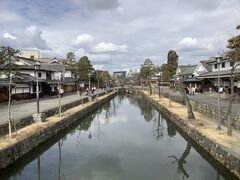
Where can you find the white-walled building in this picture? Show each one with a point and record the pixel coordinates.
(31, 54)
(49, 75)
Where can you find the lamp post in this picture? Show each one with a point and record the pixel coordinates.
(37, 67)
(89, 83)
(159, 84)
(218, 59)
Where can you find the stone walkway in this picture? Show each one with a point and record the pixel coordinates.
(27, 108)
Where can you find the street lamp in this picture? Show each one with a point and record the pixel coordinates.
(37, 66)
(159, 84)
(218, 60)
(89, 83)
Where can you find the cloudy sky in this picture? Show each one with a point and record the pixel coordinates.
(120, 34)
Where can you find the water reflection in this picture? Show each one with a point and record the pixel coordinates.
(182, 160)
(171, 129)
(147, 110)
(158, 131)
(125, 139)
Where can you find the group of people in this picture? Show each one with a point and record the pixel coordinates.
(92, 90)
(191, 90)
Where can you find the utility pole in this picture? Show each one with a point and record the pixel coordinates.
(218, 59)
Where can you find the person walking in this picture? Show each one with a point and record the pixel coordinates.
(61, 92)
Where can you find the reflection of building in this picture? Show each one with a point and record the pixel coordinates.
(120, 74)
(31, 54)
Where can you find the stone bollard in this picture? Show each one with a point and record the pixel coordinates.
(41, 117)
(89, 98)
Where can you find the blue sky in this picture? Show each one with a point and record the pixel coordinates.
(120, 34)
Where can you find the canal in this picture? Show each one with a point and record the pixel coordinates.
(125, 139)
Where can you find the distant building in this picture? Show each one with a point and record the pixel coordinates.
(120, 74)
(31, 54)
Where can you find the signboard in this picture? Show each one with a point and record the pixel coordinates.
(220, 89)
(81, 85)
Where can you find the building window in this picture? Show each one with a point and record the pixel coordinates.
(32, 56)
(215, 66)
(39, 75)
(223, 65)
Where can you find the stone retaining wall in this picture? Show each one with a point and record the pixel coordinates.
(208, 110)
(14, 152)
(211, 112)
(29, 119)
(224, 157)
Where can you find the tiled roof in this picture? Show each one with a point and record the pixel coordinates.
(187, 69)
(206, 65)
(222, 73)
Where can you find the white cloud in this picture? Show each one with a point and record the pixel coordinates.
(80, 52)
(31, 37)
(104, 47)
(84, 40)
(189, 44)
(8, 16)
(98, 66)
(9, 36)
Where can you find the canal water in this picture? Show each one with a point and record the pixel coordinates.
(126, 139)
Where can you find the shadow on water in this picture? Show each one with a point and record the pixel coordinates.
(83, 124)
(161, 127)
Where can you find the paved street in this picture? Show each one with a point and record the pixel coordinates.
(27, 108)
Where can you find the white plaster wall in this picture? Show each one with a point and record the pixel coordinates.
(68, 73)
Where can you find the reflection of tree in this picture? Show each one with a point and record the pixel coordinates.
(60, 170)
(120, 98)
(181, 161)
(110, 110)
(84, 125)
(38, 168)
(158, 132)
(146, 108)
(171, 129)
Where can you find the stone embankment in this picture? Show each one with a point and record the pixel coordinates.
(31, 136)
(202, 130)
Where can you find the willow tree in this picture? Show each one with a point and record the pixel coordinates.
(147, 70)
(233, 56)
(8, 57)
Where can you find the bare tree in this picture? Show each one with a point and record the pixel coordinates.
(8, 57)
(234, 57)
(185, 97)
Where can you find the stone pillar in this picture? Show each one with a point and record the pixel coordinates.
(41, 117)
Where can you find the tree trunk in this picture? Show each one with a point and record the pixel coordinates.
(97, 87)
(159, 91)
(150, 86)
(186, 99)
(229, 112)
(9, 106)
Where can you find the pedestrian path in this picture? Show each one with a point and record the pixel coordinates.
(27, 108)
